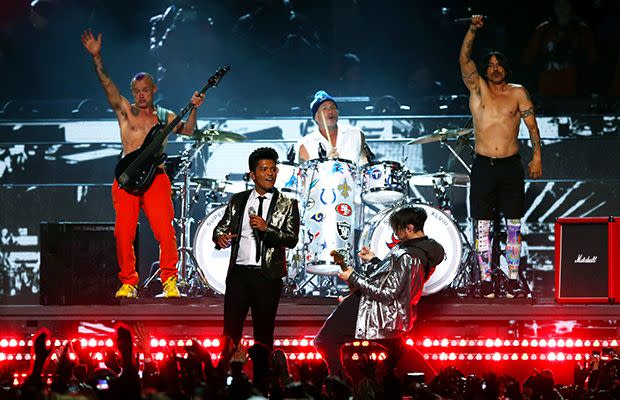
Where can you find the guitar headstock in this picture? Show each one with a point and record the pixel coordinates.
(218, 75)
(339, 259)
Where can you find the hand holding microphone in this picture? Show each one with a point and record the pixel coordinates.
(257, 223)
(476, 20)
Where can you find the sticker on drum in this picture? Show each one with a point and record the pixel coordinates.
(287, 180)
(381, 182)
(328, 188)
(212, 262)
(378, 235)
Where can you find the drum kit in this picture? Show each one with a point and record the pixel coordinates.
(343, 207)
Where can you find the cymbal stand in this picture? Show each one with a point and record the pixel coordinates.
(192, 281)
(463, 281)
(444, 143)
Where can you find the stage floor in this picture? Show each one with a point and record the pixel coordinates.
(302, 316)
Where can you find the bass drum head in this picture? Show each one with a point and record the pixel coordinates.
(378, 235)
(212, 262)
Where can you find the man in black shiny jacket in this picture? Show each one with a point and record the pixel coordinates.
(382, 304)
(259, 224)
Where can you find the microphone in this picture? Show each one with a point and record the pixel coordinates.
(468, 20)
(322, 152)
(369, 154)
(290, 154)
(251, 213)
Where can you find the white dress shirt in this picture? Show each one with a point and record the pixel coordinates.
(247, 242)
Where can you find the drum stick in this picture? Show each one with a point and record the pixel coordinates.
(329, 137)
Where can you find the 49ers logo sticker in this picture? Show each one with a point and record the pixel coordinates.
(344, 209)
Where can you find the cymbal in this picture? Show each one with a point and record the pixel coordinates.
(428, 179)
(204, 181)
(440, 134)
(214, 135)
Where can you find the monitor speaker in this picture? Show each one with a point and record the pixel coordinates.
(78, 263)
(587, 260)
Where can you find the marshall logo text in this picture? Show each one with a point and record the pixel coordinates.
(585, 260)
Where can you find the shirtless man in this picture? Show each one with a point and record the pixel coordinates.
(135, 121)
(497, 176)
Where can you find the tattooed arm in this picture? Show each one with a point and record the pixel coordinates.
(93, 46)
(526, 109)
(469, 72)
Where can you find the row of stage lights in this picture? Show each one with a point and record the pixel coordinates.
(444, 349)
(308, 342)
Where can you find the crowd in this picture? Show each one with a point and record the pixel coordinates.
(127, 376)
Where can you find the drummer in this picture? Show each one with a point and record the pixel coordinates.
(331, 139)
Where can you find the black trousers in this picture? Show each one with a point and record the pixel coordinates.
(249, 289)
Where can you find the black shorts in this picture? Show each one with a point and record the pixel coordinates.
(497, 184)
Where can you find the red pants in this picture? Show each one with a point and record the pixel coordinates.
(157, 205)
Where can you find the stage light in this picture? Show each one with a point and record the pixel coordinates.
(303, 343)
(534, 343)
(92, 343)
(489, 343)
(162, 343)
(427, 342)
(277, 343)
(215, 343)
(444, 342)
(154, 342)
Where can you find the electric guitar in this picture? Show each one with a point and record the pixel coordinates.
(339, 259)
(136, 170)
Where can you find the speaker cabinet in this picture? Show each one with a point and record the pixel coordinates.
(78, 263)
(587, 260)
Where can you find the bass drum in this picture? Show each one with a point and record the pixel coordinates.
(212, 262)
(378, 235)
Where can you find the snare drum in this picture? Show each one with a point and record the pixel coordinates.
(378, 235)
(382, 183)
(328, 194)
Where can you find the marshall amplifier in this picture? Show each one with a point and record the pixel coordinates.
(78, 263)
(587, 260)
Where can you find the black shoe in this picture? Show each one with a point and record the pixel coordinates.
(485, 290)
(514, 289)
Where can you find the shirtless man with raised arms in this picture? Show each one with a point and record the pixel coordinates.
(497, 176)
(135, 121)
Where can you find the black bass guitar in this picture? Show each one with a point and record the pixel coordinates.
(136, 170)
